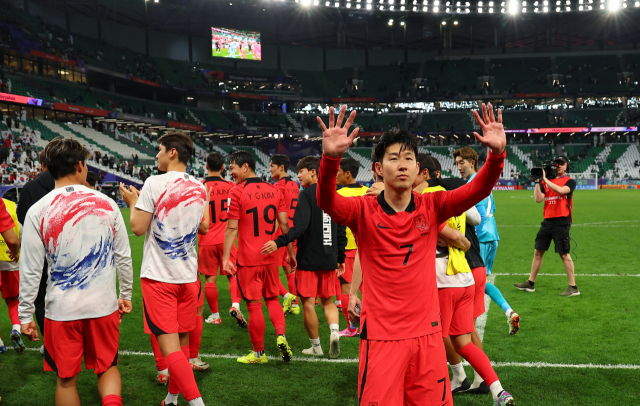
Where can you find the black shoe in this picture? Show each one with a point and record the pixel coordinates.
(480, 390)
(463, 387)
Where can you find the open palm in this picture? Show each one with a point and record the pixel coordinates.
(335, 139)
(493, 135)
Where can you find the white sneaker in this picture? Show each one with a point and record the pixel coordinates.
(198, 365)
(317, 351)
(334, 345)
(212, 320)
(42, 349)
(163, 377)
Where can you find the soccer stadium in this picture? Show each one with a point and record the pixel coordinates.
(360, 182)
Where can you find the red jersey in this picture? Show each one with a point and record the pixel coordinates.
(218, 189)
(6, 222)
(398, 249)
(290, 191)
(555, 204)
(255, 204)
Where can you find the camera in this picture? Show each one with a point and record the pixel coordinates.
(549, 169)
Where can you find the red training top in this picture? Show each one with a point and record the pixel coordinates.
(290, 191)
(255, 204)
(398, 249)
(218, 189)
(555, 204)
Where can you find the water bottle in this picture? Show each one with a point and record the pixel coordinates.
(356, 323)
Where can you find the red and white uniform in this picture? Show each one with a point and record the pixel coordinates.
(397, 253)
(170, 262)
(83, 237)
(210, 245)
(256, 204)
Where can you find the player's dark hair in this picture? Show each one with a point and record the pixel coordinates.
(433, 174)
(92, 179)
(468, 154)
(374, 159)
(243, 157)
(406, 140)
(280, 159)
(426, 162)
(309, 163)
(182, 143)
(62, 156)
(215, 161)
(350, 165)
(42, 157)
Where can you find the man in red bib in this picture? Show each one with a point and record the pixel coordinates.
(557, 195)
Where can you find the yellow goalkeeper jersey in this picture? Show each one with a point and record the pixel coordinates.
(353, 189)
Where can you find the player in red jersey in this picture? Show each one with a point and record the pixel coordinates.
(212, 245)
(278, 167)
(170, 209)
(256, 208)
(396, 233)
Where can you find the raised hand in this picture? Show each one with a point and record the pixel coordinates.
(335, 139)
(493, 135)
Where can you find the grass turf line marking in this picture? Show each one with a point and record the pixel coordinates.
(355, 361)
(564, 274)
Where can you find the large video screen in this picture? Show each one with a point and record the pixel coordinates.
(236, 44)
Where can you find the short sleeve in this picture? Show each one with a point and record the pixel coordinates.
(572, 185)
(233, 204)
(282, 207)
(6, 222)
(441, 227)
(146, 201)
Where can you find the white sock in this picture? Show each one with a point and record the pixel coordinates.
(164, 372)
(171, 398)
(334, 328)
(236, 305)
(496, 389)
(315, 342)
(216, 315)
(477, 379)
(508, 312)
(16, 327)
(338, 302)
(458, 372)
(294, 305)
(191, 360)
(1, 343)
(196, 402)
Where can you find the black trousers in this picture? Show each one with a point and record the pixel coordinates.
(39, 303)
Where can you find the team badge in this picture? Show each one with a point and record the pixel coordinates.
(421, 224)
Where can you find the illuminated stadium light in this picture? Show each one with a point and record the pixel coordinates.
(390, 22)
(337, 4)
(436, 9)
(614, 5)
(513, 7)
(558, 9)
(545, 9)
(305, 2)
(316, 2)
(567, 8)
(401, 8)
(491, 10)
(327, 4)
(524, 10)
(637, 3)
(558, 3)
(368, 6)
(444, 23)
(580, 8)
(601, 6)
(466, 10)
(402, 23)
(391, 8)
(390, 1)
(425, 9)
(455, 23)
(358, 6)
(479, 4)
(479, 10)
(447, 10)
(348, 5)
(490, 4)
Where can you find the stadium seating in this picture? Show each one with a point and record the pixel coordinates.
(521, 75)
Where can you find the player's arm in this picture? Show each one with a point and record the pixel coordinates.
(206, 220)
(455, 238)
(563, 190)
(301, 219)
(31, 265)
(461, 199)
(230, 234)
(13, 243)
(356, 281)
(284, 226)
(335, 141)
(474, 218)
(139, 217)
(538, 192)
(122, 255)
(342, 243)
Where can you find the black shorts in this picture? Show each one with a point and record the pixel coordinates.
(559, 233)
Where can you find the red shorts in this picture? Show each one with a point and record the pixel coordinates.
(168, 308)
(480, 276)
(316, 283)
(66, 342)
(282, 256)
(200, 299)
(349, 261)
(10, 284)
(404, 372)
(256, 282)
(210, 259)
(456, 310)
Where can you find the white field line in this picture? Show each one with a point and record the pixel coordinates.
(355, 361)
(564, 274)
(621, 223)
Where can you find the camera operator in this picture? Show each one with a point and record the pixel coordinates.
(557, 194)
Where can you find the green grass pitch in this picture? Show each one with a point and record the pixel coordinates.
(599, 327)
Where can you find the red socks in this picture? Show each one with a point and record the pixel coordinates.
(160, 362)
(13, 311)
(291, 283)
(480, 362)
(338, 289)
(283, 290)
(256, 325)
(181, 376)
(211, 292)
(112, 400)
(276, 315)
(195, 337)
(345, 311)
(233, 289)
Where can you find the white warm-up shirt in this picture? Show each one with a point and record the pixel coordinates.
(177, 201)
(82, 235)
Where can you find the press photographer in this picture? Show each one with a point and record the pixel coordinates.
(555, 188)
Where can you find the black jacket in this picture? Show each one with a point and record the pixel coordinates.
(473, 254)
(32, 192)
(316, 233)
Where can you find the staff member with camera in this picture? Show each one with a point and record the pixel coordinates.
(557, 194)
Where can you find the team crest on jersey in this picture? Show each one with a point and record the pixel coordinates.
(421, 224)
